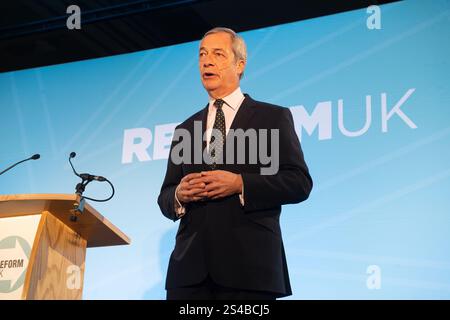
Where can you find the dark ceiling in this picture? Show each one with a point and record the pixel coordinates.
(34, 33)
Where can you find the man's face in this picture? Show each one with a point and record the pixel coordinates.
(219, 69)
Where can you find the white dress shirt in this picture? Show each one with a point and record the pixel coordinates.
(231, 106)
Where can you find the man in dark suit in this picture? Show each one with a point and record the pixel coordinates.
(229, 244)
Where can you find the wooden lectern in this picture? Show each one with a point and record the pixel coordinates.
(50, 265)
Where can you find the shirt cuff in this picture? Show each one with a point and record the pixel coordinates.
(180, 210)
(241, 196)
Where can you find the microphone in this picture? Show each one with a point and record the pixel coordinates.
(84, 176)
(33, 157)
(87, 178)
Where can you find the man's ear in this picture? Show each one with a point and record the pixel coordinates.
(241, 66)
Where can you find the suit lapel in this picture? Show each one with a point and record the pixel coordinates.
(241, 121)
(205, 167)
(204, 124)
(244, 114)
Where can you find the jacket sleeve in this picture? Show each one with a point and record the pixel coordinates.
(174, 174)
(291, 184)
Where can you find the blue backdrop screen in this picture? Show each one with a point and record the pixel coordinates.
(372, 109)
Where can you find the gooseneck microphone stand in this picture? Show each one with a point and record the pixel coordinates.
(86, 178)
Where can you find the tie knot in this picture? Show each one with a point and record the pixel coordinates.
(219, 103)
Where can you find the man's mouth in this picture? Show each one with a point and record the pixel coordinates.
(209, 75)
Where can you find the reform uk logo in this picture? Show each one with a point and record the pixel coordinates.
(14, 255)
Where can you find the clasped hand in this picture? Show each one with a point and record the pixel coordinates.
(208, 185)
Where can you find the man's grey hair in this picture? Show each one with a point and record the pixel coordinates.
(237, 44)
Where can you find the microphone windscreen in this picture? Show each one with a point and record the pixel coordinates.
(36, 156)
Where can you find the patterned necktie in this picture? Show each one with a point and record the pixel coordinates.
(216, 146)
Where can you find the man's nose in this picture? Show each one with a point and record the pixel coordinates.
(208, 63)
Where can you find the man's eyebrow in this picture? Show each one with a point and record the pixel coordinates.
(213, 49)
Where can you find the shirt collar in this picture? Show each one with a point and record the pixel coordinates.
(232, 100)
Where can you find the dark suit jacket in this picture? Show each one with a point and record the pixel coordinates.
(238, 246)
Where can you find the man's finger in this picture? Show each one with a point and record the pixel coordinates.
(209, 179)
(210, 173)
(191, 176)
(183, 193)
(190, 193)
(184, 184)
(193, 192)
(197, 198)
(196, 180)
(212, 186)
(215, 193)
(195, 185)
(217, 190)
